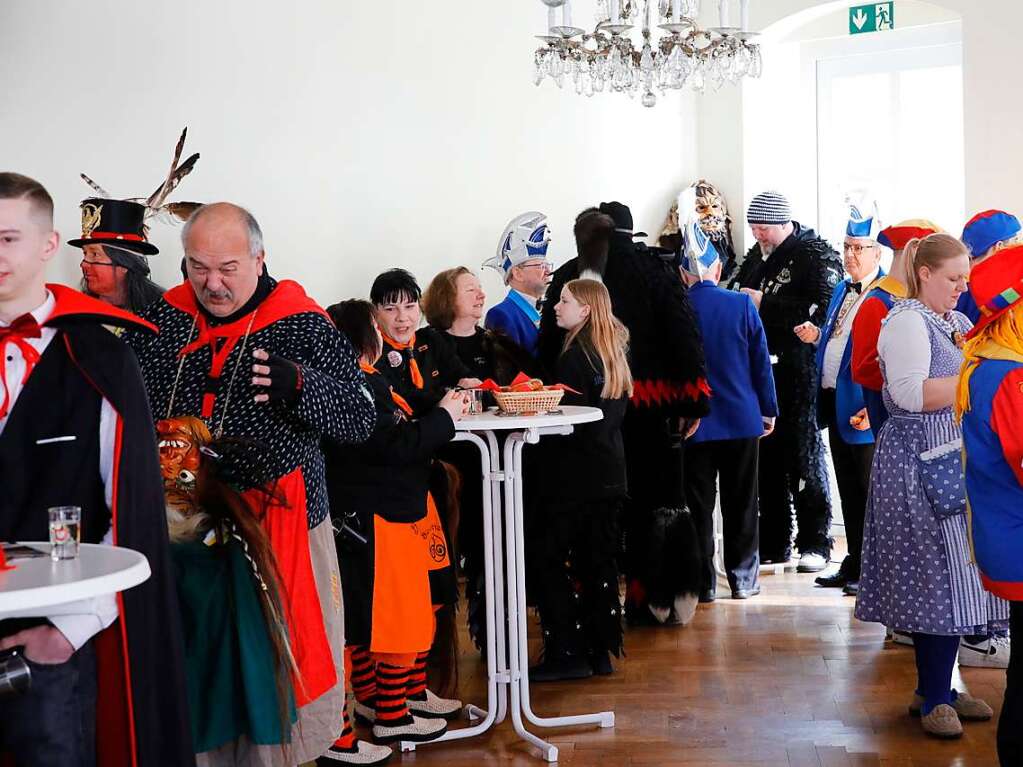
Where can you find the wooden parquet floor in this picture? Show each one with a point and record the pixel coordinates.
(787, 679)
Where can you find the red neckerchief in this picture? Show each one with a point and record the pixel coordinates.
(285, 300)
(17, 333)
(398, 400)
(413, 366)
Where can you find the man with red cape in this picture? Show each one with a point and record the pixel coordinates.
(259, 361)
(75, 429)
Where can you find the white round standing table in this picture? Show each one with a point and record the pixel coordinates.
(40, 587)
(505, 573)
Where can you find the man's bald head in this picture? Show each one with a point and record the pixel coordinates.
(225, 220)
(223, 256)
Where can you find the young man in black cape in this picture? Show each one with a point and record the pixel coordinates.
(75, 429)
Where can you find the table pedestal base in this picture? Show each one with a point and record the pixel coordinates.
(505, 588)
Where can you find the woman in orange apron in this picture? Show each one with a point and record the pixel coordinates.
(389, 538)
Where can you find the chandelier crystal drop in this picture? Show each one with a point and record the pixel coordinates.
(609, 60)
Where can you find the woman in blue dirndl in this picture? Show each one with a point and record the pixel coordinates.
(917, 571)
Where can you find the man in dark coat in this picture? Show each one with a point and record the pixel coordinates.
(670, 393)
(261, 362)
(790, 274)
(75, 429)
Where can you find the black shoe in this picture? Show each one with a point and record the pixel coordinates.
(706, 597)
(775, 558)
(746, 593)
(556, 669)
(600, 662)
(852, 589)
(834, 581)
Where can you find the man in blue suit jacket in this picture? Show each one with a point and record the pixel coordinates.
(841, 404)
(743, 407)
(522, 259)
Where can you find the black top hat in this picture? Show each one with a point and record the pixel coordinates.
(114, 222)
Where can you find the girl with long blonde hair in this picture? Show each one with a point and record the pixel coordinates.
(573, 567)
(598, 333)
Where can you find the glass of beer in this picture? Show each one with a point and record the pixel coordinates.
(65, 532)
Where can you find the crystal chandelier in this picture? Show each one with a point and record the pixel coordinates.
(608, 60)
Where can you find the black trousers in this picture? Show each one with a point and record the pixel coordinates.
(734, 461)
(1010, 723)
(792, 467)
(852, 470)
(54, 723)
(572, 577)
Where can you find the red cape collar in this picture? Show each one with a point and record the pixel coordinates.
(74, 305)
(286, 300)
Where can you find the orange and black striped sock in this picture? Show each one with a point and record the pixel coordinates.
(391, 708)
(363, 676)
(347, 740)
(417, 678)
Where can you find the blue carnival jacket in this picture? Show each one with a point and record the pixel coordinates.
(738, 364)
(516, 318)
(849, 395)
(993, 441)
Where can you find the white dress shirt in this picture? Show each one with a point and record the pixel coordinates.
(835, 349)
(91, 615)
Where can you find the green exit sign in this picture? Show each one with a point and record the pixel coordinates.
(876, 17)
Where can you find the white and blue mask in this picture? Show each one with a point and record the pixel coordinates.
(698, 253)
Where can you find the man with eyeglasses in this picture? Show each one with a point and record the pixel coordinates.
(115, 266)
(841, 405)
(522, 259)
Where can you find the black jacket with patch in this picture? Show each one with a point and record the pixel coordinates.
(797, 280)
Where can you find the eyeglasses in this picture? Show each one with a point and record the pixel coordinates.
(87, 262)
(546, 265)
(857, 250)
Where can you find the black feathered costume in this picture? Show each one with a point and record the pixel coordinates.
(666, 358)
(142, 716)
(797, 280)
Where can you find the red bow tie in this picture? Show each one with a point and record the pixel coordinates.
(23, 327)
(16, 333)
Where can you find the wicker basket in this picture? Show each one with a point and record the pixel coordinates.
(528, 402)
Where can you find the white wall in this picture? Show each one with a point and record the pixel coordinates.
(363, 134)
(993, 154)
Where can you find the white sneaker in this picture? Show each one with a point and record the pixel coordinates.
(419, 730)
(364, 753)
(993, 652)
(434, 706)
(811, 562)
